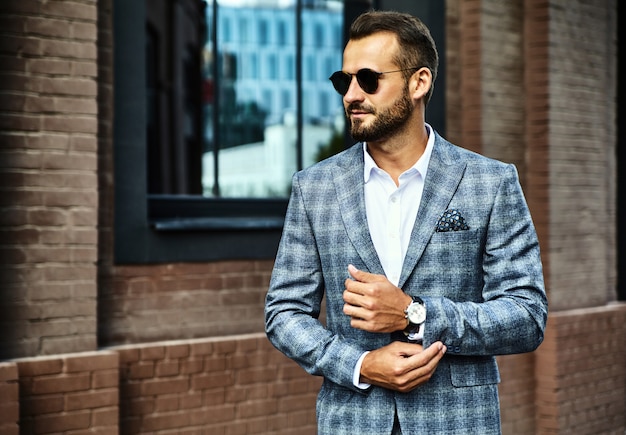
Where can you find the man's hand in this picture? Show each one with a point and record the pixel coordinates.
(401, 366)
(374, 303)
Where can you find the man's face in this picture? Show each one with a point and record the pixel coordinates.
(383, 122)
(379, 115)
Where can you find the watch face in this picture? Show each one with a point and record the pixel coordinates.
(416, 313)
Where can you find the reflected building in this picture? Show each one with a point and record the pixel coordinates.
(257, 100)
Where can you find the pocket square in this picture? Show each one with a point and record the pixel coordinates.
(451, 220)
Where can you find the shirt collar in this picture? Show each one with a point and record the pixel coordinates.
(421, 165)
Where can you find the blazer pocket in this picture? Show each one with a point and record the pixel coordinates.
(455, 250)
(471, 371)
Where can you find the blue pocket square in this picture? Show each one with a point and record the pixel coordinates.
(451, 220)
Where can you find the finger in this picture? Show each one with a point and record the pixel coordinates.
(352, 311)
(353, 296)
(353, 286)
(363, 276)
(432, 354)
(422, 373)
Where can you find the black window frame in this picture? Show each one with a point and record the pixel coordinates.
(188, 228)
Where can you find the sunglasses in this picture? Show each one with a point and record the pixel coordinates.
(366, 78)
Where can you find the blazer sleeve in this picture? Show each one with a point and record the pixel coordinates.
(510, 314)
(293, 303)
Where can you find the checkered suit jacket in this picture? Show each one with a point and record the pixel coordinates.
(482, 286)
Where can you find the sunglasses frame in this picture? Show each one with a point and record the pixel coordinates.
(367, 79)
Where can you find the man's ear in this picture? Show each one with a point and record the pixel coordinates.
(420, 83)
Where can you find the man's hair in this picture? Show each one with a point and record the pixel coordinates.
(417, 47)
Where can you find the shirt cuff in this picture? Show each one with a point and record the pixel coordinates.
(356, 376)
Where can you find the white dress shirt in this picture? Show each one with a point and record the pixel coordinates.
(391, 211)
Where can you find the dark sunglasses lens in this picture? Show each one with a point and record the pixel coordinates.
(341, 81)
(368, 80)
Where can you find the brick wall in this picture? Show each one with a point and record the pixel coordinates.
(10, 403)
(48, 180)
(234, 385)
(216, 386)
(582, 141)
(453, 94)
(184, 300)
(537, 94)
(502, 78)
(580, 373)
(468, 80)
(242, 385)
(517, 394)
(74, 393)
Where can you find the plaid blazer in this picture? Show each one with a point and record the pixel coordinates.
(481, 281)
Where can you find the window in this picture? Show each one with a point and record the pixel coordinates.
(263, 33)
(208, 132)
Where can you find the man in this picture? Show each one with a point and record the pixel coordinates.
(425, 252)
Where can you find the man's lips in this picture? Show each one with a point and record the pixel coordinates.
(358, 112)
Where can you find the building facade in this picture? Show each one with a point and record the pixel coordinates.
(130, 304)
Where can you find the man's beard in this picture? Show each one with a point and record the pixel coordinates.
(385, 123)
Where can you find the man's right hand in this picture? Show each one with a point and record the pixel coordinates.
(401, 366)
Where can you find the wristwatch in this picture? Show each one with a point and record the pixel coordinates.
(415, 313)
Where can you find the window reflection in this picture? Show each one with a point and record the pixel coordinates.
(250, 99)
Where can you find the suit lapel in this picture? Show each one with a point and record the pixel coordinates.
(348, 180)
(444, 174)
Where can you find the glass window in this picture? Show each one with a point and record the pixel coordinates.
(290, 67)
(282, 33)
(263, 32)
(243, 30)
(226, 31)
(250, 135)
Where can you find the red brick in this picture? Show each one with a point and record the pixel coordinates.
(9, 429)
(211, 381)
(60, 423)
(137, 406)
(106, 417)
(8, 371)
(201, 348)
(140, 370)
(221, 413)
(60, 384)
(164, 386)
(191, 400)
(166, 368)
(166, 402)
(9, 391)
(39, 405)
(105, 378)
(9, 411)
(152, 353)
(40, 366)
(221, 347)
(94, 399)
(159, 422)
(191, 366)
(256, 408)
(214, 397)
